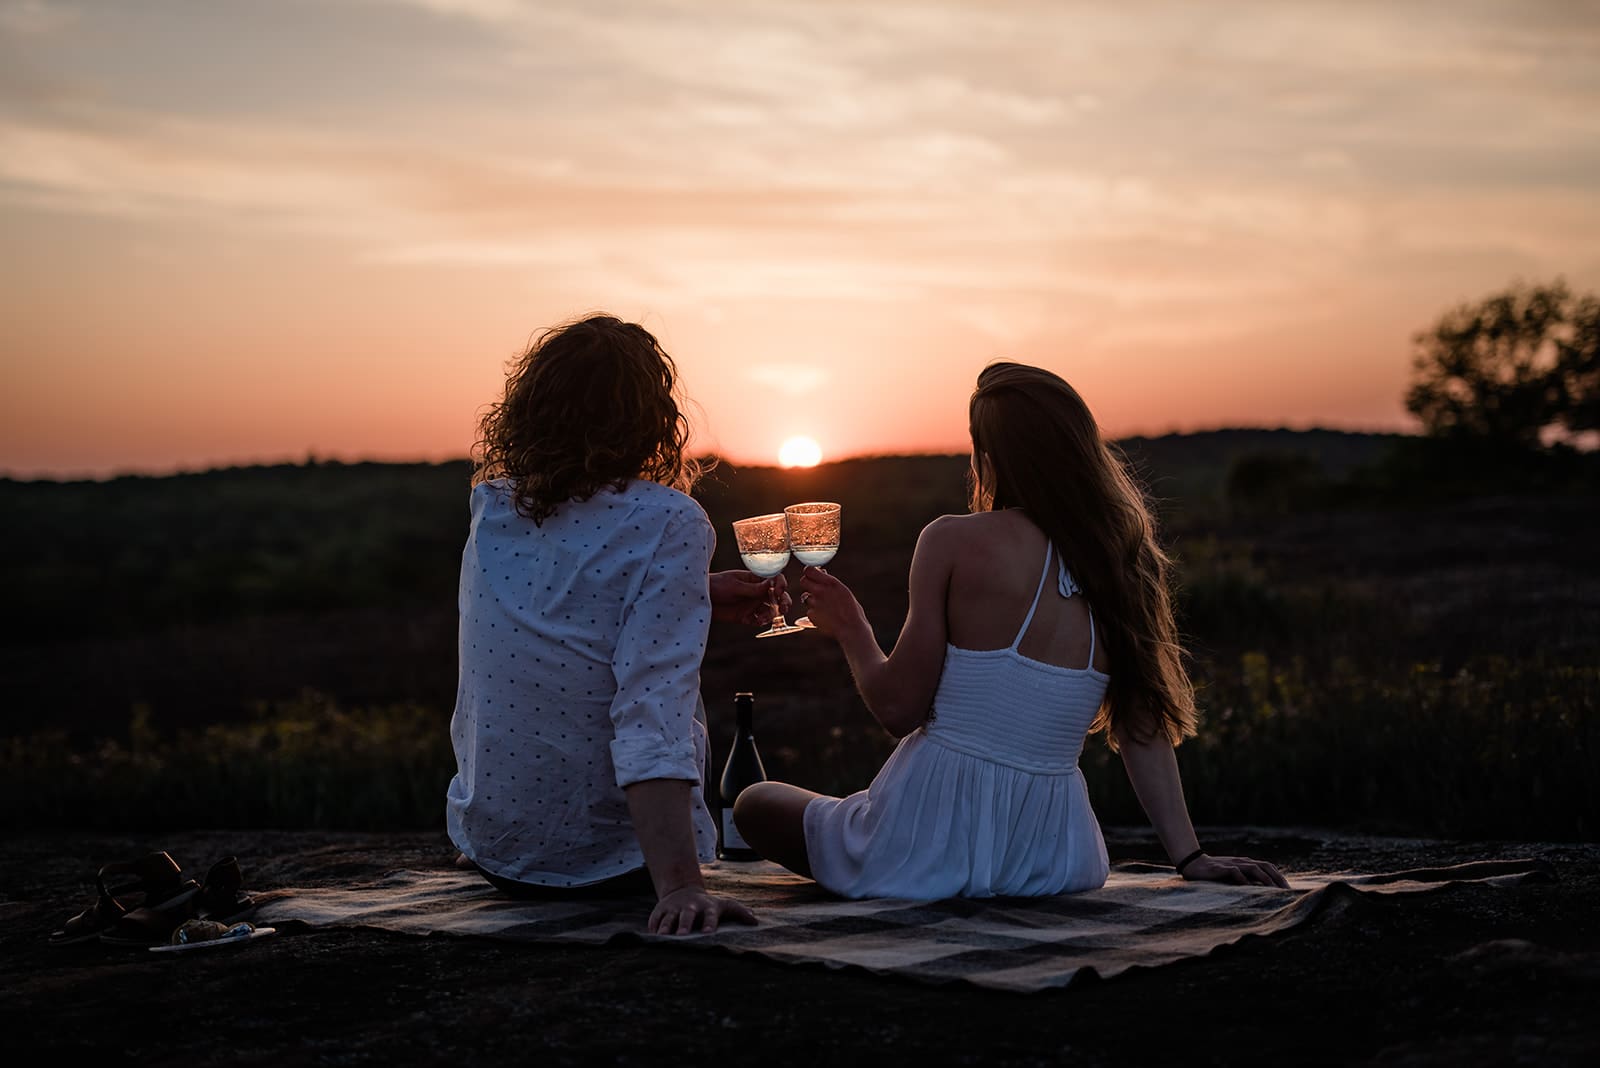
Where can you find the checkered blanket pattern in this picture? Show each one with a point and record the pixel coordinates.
(1143, 917)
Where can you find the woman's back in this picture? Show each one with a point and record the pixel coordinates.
(993, 584)
(1010, 695)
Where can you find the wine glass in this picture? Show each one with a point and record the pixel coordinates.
(764, 548)
(813, 536)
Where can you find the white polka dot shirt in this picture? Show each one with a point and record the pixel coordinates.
(580, 647)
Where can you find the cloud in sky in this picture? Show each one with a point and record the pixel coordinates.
(1114, 180)
(793, 380)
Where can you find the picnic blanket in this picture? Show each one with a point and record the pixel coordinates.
(1144, 916)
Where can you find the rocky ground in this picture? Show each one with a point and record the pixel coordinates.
(1471, 975)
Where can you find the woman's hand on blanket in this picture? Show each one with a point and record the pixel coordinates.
(690, 908)
(1238, 870)
(746, 598)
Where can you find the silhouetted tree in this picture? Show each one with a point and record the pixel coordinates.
(1578, 362)
(1510, 367)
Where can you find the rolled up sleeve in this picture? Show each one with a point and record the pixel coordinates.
(658, 655)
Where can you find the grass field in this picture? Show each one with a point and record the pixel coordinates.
(1380, 640)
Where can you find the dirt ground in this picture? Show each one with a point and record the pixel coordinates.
(1469, 975)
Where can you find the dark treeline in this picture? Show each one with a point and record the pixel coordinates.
(1387, 631)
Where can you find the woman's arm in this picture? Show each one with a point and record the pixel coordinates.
(898, 689)
(1152, 768)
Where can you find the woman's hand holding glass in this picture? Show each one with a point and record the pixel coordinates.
(813, 536)
(829, 604)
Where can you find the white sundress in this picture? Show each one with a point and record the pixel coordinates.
(983, 800)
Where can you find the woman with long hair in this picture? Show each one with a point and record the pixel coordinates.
(1039, 618)
(585, 602)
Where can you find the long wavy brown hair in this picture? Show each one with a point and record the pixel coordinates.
(1037, 447)
(592, 403)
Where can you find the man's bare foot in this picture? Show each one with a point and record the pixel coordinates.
(465, 863)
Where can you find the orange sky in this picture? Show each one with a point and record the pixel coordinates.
(239, 232)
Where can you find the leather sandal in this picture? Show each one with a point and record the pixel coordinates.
(152, 925)
(123, 886)
(219, 897)
(222, 895)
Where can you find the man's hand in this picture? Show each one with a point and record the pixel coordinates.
(659, 809)
(745, 597)
(689, 908)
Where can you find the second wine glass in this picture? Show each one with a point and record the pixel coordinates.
(764, 548)
(813, 536)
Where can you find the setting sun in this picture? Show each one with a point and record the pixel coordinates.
(799, 452)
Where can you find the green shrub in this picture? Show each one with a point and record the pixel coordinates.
(302, 764)
(1498, 749)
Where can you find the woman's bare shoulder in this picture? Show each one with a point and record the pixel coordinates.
(996, 543)
(975, 532)
(951, 528)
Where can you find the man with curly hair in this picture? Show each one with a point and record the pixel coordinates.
(585, 603)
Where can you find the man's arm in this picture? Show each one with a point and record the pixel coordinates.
(660, 810)
(654, 753)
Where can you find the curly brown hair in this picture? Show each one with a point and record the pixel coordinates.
(1038, 448)
(591, 403)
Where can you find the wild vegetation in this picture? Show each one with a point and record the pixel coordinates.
(275, 646)
(1388, 632)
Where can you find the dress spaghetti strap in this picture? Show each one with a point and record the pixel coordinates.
(1034, 607)
(1090, 665)
(1069, 587)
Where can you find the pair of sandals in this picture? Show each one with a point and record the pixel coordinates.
(142, 902)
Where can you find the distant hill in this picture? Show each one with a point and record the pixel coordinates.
(1194, 467)
(121, 555)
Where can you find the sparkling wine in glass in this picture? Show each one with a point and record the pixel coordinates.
(764, 548)
(813, 536)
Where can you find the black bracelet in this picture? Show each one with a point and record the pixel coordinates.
(1190, 859)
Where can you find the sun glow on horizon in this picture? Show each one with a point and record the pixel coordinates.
(799, 451)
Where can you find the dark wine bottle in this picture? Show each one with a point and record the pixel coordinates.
(742, 769)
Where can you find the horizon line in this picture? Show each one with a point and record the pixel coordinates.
(311, 457)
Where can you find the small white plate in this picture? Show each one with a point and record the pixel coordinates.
(213, 943)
